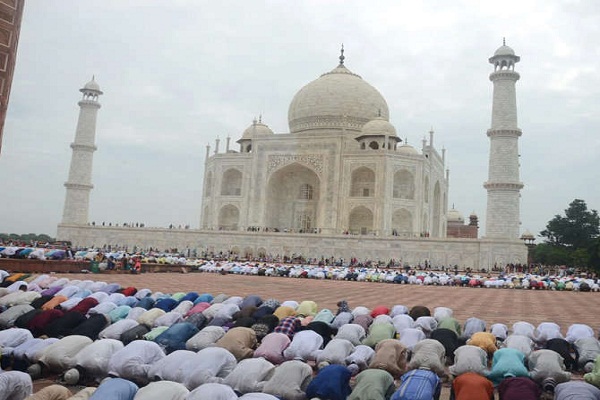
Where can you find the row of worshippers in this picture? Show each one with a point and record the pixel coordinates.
(412, 277)
(379, 329)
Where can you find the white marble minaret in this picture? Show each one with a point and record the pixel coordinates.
(503, 184)
(78, 186)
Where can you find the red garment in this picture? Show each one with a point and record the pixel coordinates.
(380, 310)
(84, 305)
(520, 388)
(472, 386)
(129, 291)
(40, 321)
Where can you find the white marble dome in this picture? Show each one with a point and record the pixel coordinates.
(338, 99)
(378, 126)
(504, 50)
(257, 129)
(92, 85)
(454, 216)
(408, 150)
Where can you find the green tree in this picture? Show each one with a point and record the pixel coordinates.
(549, 254)
(577, 229)
(572, 239)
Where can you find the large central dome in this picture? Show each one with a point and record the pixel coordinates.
(337, 100)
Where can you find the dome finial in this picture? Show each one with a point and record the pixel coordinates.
(260, 118)
(342, 58)
(503, 41)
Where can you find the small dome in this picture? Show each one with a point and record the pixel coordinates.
(454, 216)
(527, 236)
(408, 150)
(92, 85)
(378, 126)
(504, 50)
(473, 215)
(257, 129)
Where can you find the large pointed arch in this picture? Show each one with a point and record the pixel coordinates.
(293, 194)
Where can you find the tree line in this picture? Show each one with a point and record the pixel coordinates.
(572, 239)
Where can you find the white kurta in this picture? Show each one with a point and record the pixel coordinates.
(289, 380)
(134, 360)
(162, 391)
(469, 358)
(94, 358)
(60, 356)
(250, 375)
(304, 346)
(210, 365)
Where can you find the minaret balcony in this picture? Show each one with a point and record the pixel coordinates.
(504, 74)
(503, 185)
(84, 147)
(504, 133)
(79, 186)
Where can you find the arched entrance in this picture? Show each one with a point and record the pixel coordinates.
(293, 194)
(360, 221)
(229, 217)
(402, 224)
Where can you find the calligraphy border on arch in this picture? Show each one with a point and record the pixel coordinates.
(315, 162)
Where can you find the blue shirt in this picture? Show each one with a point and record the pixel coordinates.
(418, 384)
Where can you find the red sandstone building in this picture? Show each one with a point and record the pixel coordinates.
(11, 13)
(456, 225)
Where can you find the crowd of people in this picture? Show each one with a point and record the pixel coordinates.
(132, 343)
(509, 276)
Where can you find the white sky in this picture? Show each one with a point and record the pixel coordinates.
(177, 74)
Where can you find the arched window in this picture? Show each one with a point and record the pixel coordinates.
(437, 209)
(232, 183)
(229, 217)
(402, 223)
(404, 185)
(306, 192)
(363, 183)
(208, 184)
(360, 221)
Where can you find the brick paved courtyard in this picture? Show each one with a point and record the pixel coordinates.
(492, 305)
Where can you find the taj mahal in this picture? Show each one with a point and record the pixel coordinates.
(341, 183)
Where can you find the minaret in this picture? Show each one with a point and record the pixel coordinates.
(503, 185)
(78, 186)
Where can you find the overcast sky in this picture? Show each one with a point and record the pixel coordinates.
(178, 74)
